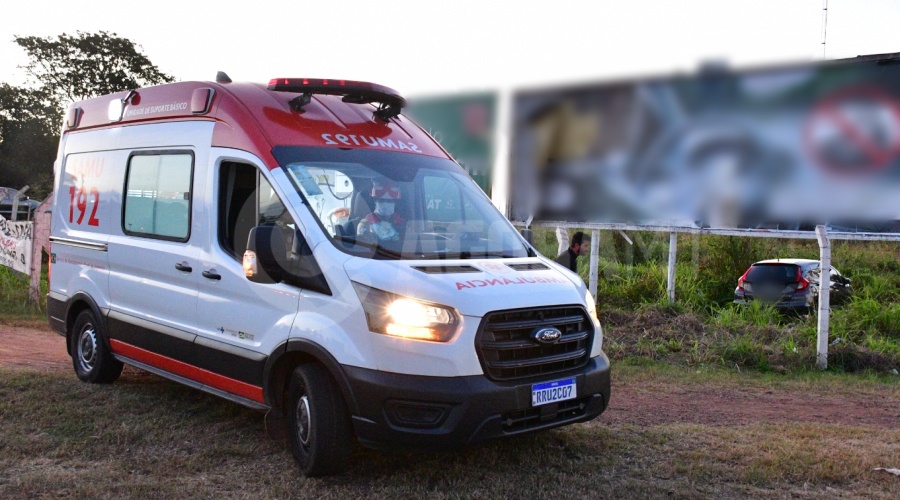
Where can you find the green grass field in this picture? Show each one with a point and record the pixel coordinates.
(147, 437)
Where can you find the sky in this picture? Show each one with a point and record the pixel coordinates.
(430, 48)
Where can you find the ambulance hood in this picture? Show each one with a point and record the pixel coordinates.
(473, 286)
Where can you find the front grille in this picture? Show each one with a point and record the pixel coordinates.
(508, 351)
(521, 420)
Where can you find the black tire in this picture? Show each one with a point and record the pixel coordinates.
(318, 423)
(91, 358)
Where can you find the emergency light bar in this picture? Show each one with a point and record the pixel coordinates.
(389, 100)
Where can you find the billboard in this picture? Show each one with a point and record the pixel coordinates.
(464, 125)
(782, 147)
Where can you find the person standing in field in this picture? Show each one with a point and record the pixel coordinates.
(569, 258)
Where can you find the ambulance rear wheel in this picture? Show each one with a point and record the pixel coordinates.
(318, 422)
(92, 360)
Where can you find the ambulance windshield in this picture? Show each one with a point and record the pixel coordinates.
(388, 205)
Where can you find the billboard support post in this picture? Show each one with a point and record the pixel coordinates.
(595, 256)
(673, 247)
(824, 296)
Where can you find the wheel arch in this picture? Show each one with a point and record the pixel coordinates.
(75, 305)
(291, 354)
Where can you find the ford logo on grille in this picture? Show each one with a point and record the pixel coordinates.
(547, 335)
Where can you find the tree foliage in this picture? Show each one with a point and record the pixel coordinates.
(19, 104)
(76, 67)
(61, 69)
(29, 125)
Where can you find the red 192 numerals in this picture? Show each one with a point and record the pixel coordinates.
(79, 198)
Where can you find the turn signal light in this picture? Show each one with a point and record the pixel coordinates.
(249, 263)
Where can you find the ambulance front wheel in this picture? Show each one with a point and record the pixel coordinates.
(318, 422)
(92, 360)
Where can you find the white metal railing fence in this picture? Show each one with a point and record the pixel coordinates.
(821, 234)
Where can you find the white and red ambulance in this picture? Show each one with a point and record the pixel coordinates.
(303, 249)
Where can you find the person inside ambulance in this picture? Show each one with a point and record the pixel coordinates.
(384, 224)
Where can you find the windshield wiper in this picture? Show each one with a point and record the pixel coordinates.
(488, 255)
(378, 249)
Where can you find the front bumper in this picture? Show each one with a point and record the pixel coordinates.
(412, 412)
(793, 301)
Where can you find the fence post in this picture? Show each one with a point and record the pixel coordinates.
(40, 241)
(15, 203)
(824, 296)
(562, 240)
(673, 246)
(595, 257)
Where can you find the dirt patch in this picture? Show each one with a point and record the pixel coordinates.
(633, 402)
(724, 406)
(34, 348)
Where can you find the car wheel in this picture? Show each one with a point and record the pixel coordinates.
(318, 422)
(91, 358)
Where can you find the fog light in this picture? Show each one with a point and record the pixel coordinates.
(416, 414)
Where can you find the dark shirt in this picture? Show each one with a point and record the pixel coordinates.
(568, 259)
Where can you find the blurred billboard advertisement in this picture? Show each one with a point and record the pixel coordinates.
(782, 147)
(464, 124)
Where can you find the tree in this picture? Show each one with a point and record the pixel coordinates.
(19, 104)
(29, 127)
(85, 65)
(62, 69)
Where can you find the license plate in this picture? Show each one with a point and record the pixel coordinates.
(551, 392)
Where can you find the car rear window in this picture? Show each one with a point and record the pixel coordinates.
(778, 273)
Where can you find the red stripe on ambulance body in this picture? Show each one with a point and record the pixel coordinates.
(192, 372)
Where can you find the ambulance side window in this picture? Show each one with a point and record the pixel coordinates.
(246, 200)
(158, 195)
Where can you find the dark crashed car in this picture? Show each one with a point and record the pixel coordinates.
(789, 284)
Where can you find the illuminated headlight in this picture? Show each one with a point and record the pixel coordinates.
(399, 316)
(592, 307)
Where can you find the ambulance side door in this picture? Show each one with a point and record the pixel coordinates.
(154, 258)
(240, 322)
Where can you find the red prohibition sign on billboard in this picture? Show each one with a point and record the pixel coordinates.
(854, 131)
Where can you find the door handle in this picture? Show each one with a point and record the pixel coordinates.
(183, 266)
(212, 275)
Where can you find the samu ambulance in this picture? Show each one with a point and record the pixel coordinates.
(303, 249)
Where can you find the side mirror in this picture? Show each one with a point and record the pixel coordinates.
(268, 260)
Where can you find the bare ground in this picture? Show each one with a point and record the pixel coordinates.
(635, 401)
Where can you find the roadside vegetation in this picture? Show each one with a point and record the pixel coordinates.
(705, 327)
(14, 304)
